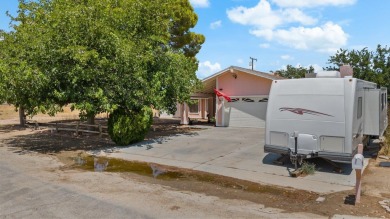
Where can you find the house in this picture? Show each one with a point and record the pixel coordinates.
(235, 97)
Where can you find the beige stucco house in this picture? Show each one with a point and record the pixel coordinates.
(244, 105)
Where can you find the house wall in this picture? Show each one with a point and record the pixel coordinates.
(243, 85)
(236, 84)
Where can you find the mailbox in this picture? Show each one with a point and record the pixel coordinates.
(357, 162)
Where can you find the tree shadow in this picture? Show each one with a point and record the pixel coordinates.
(321, 165)
(4, 129)
(350, 200)
(46, 143)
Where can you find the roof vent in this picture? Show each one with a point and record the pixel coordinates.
(346, 70)
(328, 74)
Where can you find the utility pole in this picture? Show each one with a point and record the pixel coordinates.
(251, 63)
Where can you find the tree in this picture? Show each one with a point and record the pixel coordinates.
(22, 84)
(367, 65)
(293, 72)
(103, 55)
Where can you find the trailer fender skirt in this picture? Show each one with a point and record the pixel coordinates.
(332, 156)
(276, 149)
(336, 157)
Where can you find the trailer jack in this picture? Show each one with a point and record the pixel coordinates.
(296, 159)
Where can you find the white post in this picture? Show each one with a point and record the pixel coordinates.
(357, 164)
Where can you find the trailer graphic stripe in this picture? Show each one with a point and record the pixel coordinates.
(301, 111)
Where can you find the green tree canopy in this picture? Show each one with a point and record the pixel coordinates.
(101, 55)
(367, 65)
(294, 72)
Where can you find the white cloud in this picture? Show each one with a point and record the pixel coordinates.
(200, 3)
(207, 68)
(264, 45)
(312, 3)
(216, 24)
(291, 26)
(296, 15)
(286, 57)
(327, 38)
(260, 15)
(263, 16)
(316, 67)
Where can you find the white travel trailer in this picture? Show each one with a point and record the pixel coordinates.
(324, 117)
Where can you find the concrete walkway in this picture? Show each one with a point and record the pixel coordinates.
(234, 152)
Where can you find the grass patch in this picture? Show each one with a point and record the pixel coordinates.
(385, 144)
(308, 168)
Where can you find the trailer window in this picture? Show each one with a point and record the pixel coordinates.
(360, 106)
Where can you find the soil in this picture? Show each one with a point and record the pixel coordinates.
(66, 147)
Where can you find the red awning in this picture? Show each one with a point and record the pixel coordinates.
(220, 94)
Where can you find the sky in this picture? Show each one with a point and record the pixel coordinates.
(278, 32)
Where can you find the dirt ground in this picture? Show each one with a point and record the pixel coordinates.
(66, 148)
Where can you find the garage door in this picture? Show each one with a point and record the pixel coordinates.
(247, 114)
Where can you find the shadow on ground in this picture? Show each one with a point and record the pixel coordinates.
(10, 128)
(54, 143)
(44, 141)
(321, 165)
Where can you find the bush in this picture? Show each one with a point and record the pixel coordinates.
(308, 168)
(129, 127)
(385, 144)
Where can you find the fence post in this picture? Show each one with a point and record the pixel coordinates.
(100, 130)
(56, 126)
(77, 128)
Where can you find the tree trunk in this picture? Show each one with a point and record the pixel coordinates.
(22, 117)
(91, 121)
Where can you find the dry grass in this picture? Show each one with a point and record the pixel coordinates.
(385, 145)
(10, 112)
(7, 112)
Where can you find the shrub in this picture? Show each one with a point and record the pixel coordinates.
(129, 127)
(385, 144)
(308, 168)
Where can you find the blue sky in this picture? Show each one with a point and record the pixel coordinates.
(278, 32)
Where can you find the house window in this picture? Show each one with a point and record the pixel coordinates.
(194, 107)
(360, 108)
(247, 100)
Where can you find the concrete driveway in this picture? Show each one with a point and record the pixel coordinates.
(233, 152)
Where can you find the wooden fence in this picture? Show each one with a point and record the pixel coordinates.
(75, 127)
